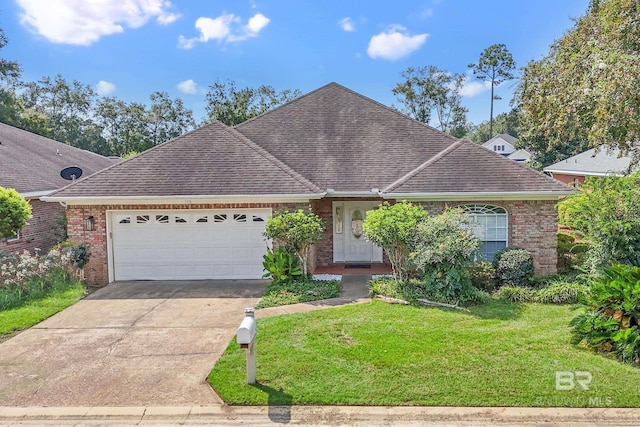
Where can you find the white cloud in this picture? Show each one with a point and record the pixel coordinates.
(105, 88)
(394, 44)
(225, 28)
(82, 22)
(188, 86)
(347, 24)
(471, 88)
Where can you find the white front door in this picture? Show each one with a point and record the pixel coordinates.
(356, 247)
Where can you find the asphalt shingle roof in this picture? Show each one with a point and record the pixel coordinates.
(212, 160)
(332, 138)
(591, 163)
(32, 163)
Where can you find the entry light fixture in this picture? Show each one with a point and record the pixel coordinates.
(89, 223)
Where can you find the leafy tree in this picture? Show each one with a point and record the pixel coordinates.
(607, 211)
(297, 231)
(586, 91)
(444, 249)
(508, 123)
(124, 125)
(393, 228)
(168, 118)
(9, 70)
(429, 89)
(495, 65)
(232, 105)
(15, 211)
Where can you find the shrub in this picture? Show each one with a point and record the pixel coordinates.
(562, 293)
(517, 294)
(606, 211)
(393, 228)
(298, 290)
(611, 323)
(280, 266)
(513, 266)
(415, 289)
(444, 248)
(15, 211)
(297, 231)
(483, 276)
(571, 252)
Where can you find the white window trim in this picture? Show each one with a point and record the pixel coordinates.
(487, 210)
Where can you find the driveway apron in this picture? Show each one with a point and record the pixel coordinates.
(130, 343)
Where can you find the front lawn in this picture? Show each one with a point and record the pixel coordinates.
(298, 290)
(501, 354)
(41, 306)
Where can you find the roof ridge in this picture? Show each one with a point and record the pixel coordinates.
(423, 166)
(270, 157)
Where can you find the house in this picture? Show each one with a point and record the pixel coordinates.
(195, 207)
(520, 155)
(31, 164)
(502, 144)
(575, 169)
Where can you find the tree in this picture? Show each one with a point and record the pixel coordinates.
(586, 91)
(232, 106)
(9, 70)
(124, 125)
(168, 118)
(393, 228)
(297, 231)
(508, 123)
(427, 89)
(607, 211)
(495, 65)
(15, 211)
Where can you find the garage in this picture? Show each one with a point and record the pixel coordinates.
(188, 245)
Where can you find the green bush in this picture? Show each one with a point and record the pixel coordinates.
(611, 323)
(15, 211)
(571, 252)
(514, 266)
(483, 276)
(299, 290)
(562, 293)
(415, 289)
(280, 266)
(517, 294)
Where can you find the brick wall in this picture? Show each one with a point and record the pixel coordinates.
(532, 226)
(45, 228)
(569, 179)
(97, 271)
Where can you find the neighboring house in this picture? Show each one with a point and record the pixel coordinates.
(520, 155)
(574, 170)
(195, 207)
(502, 144)
(31, 164)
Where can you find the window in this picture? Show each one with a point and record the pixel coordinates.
(203, 219)
(239, 217)
(180, 220)
(162, 219)
(219, 217)
(490, 228)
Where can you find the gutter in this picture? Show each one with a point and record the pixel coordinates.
(583, 173)
(478, 196)
(183, 200)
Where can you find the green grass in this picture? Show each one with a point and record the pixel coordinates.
(300, 290)
(501, 354)
(35, 310)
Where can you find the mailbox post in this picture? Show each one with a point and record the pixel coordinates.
(246, 337)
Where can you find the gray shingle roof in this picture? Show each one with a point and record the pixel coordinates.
(330, 138)
(31, 163)
(505, 136)
(212, 160)
(468, 167)
(589, 163)
(340, 139)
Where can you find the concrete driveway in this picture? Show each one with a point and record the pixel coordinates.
(130, 343)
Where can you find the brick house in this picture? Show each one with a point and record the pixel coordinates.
(31, 164)
(195, 207)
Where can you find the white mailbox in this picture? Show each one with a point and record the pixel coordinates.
(247, 330)
(246, 337)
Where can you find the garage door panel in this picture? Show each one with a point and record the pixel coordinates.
(166, 245)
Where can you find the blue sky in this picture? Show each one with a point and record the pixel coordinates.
(131, 48)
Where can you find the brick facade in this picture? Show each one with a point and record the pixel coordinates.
(532, 226)
(97, 270)
(571, 180)
(44, 229)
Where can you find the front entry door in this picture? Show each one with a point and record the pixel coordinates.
(356, 247)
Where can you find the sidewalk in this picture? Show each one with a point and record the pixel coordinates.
(317, 416)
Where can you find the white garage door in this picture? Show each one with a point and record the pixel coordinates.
(175, 245)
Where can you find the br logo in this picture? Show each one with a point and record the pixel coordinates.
(566, 380)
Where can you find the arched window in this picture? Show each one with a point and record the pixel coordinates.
(491, 229)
